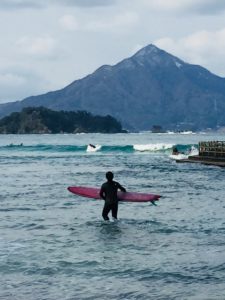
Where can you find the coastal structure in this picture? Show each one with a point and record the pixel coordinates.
(210, 153)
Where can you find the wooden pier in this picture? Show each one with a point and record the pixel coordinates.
(210, 153)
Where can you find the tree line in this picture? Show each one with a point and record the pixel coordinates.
(43, 120)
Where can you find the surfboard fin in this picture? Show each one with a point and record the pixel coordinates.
(153, 203)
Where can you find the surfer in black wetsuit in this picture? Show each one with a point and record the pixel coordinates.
(92, 146)
(109, 193)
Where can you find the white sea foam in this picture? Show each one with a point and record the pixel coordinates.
(194, 151)
(180, 156)
(187, 132)
(153, 147)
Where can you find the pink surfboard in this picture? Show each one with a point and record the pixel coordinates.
(91, 192)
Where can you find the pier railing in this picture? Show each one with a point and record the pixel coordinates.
(214, 149)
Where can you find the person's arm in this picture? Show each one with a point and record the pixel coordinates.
(102, 193)
(121, 188)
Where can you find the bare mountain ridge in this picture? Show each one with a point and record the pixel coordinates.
(150, 88)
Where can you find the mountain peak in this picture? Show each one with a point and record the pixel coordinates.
(154, 56)
(152, 87)
(148, 50)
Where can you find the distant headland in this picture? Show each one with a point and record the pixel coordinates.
(40, 120)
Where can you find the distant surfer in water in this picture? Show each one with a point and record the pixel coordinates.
(92, 146)
(108, 192)
(175, 151)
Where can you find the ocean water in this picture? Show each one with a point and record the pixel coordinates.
(55, 245)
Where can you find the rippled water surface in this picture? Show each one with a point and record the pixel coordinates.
(54, 245)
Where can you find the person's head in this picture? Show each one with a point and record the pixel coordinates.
(109, 176)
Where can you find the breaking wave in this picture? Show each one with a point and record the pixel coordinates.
(153, 147)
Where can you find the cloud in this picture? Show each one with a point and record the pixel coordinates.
(209, 7)
(118, 23)
(9, 79)
(38, 46)
(86, 3)
(187, 6)
(15, 4)
(18, 84)
(21, 4)
(69, 22)
(172, 6)
(203, 47)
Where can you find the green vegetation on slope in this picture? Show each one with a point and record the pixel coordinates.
(44, 120)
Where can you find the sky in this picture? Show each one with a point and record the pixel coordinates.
(47, 44)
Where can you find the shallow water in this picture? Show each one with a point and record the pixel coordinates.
(54, 245)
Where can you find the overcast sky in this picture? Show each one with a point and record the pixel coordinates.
(47, 44)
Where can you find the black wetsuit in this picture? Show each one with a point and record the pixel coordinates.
(109, 193)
